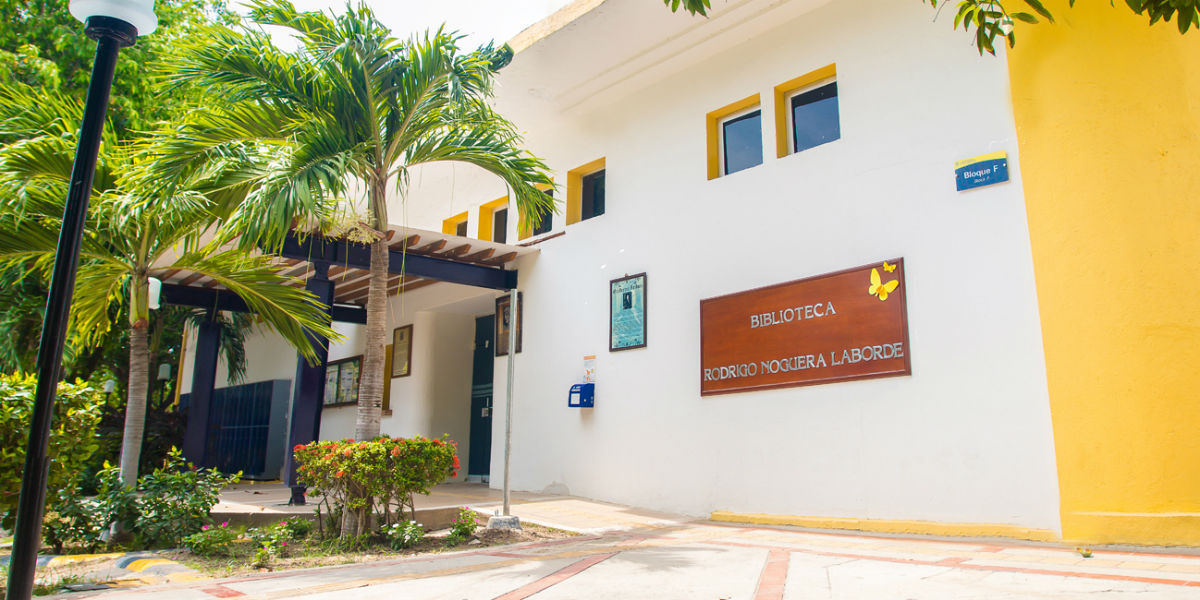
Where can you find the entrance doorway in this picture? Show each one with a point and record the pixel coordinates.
(479, 462)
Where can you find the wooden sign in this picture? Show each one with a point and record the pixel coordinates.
(847, 325)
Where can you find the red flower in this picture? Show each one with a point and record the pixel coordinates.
(297, 447)
(339, 474)
(395, 452)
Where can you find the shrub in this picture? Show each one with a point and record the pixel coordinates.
(211, 540)
(300, 528)
(404, 535)
(272, 541)
(174, 500)
(462, 527)
(73, 519)
(359, 477)
(77, 409)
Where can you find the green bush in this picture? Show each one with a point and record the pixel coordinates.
(375, 475)
(404, 535)
(72, 437)
(211, 540)
(462, 527)
(174, 500)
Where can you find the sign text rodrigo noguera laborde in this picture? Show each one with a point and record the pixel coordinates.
(835, 327)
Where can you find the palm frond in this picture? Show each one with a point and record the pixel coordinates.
(287, 309)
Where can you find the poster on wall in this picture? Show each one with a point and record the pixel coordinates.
(341, 381)
(402, 351)
(627, 313)
(502, 324)
(852, 324)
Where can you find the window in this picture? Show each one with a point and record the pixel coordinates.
(592, 204)
(547, 219)
(734, 137)
(815, 117)
(806, 111)
(523, 229)
(741, 142)
(585, 192)
(456, 225)
(341, 381)
(500, 226)
(493, 221)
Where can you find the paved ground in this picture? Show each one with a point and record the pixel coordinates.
(635, 554)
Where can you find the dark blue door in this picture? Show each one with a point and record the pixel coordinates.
(480, 460)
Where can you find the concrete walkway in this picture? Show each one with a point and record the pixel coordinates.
(638, 554)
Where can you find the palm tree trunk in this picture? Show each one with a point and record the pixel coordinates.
(370, 387)
(135, 407)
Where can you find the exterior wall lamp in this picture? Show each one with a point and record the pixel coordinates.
(113, 24)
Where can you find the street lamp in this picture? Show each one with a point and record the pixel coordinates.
(114, 24)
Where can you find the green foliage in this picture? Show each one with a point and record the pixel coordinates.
(462, 527)
(72, 435)
(272, 541)
(174, 501)
(990, 19)
(695, 7)
(211, 540)
(73, 519)
(405, 534)
(168, 505)
(380, 473)
(138, 100)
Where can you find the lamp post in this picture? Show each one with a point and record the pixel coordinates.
(113, 24)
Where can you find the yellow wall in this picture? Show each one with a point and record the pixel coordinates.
(1107, 115)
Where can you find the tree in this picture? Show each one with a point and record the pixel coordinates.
(991, 19)
(351, 108)
(133, 229)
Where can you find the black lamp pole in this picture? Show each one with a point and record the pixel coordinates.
(111, 35)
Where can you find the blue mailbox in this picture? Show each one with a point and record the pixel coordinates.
(583, 395)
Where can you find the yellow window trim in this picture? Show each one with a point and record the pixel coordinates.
(523, 230)
(575, 188)
(712, 120)
(782, 92)
(486, 212)
(450, 226)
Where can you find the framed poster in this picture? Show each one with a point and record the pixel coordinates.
(627, 314)
(341, 381)
(502, 324)
(402, 351)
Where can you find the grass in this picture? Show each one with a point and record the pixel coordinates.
(315, 552)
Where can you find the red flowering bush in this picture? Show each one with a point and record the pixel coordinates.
(380, 475)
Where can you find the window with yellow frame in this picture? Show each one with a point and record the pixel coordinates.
(806, 111)
(456, 225)
(585, 191)
(493, 221)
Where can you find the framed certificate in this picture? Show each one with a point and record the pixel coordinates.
(402, 351)
(503, 326)
(627, 313)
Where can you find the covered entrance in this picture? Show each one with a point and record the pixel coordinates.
(337, 272)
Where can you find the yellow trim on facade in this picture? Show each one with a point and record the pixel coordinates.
(450, 225)
(1105, 109)
(782, 92)
(712, 120)
(891, 526)
(487, 213)
(575, 188)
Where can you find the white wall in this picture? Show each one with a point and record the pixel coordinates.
(966, 438)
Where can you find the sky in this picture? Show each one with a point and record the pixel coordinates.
(479, 20)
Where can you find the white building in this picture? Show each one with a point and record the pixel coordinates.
(659, 103)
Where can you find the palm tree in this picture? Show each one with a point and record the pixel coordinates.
(130, 235)
(351, 108)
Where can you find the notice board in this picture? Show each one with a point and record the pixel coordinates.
(852, 324)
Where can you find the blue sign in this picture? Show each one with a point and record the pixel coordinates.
(980, 171)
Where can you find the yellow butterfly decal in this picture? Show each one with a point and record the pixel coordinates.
(878, 288)
(889, 268)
